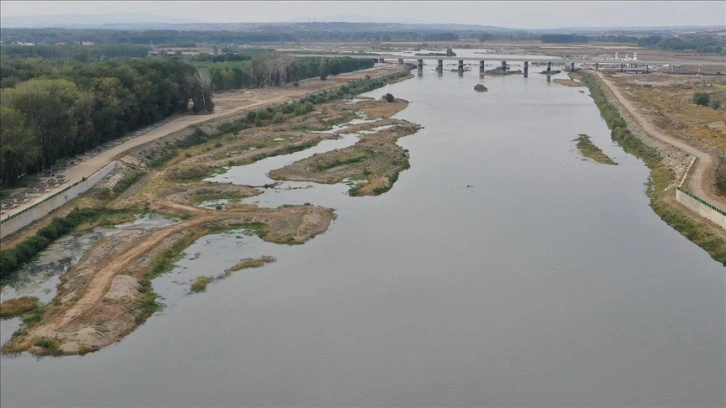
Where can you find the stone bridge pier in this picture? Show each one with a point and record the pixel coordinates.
(461, 65)
(481, 67)
(420, 64)
(440, 66)
(526, 69)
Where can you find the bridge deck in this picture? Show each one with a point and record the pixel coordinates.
(495, 57)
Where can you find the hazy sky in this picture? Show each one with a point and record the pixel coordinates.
(515, 14)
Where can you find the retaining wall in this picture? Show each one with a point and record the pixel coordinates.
(701, 207)
(43, 208)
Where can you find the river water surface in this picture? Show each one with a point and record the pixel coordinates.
(501, 269)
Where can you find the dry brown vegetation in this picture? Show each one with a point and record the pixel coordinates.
(247, 263)
(666, 101)
(201, 282)
(18, 306)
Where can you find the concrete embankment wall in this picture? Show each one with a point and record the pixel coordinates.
(701, 207)
(698, 204)
(43, 208)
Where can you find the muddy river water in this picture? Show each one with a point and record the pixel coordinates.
(501, 269)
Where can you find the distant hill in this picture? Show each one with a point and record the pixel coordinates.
(342, 23)
(116, 20)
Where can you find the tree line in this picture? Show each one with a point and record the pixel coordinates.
(275, 69)
(55, 110)
(191, 38)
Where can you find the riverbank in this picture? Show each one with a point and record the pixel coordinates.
(667, 165)
(108, 293)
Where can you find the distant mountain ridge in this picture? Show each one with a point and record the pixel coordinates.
(90, 20)
(145, 21)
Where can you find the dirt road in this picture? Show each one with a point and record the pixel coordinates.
(227, 103)
(699, 179)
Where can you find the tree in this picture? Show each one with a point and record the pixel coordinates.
(388, 97)
(324, 69)
(201, 85)
(18, 148)
(48, 107)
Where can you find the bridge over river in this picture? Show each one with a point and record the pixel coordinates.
(640, 65)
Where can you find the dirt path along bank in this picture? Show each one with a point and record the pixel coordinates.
(699, 179)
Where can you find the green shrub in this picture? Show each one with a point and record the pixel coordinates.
(200, 284)
(126, 181)
(701, 98)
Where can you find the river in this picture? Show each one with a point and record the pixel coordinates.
(501, 269)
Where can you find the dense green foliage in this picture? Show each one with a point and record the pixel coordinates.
(688, 42)
(52, 110)
(13, 258)
(276, 69)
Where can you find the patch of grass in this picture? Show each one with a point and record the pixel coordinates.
(49, 347)
(17, 307)
(342, 159)
(588, 149)
(33, 317)
(160, 160)
(281, 151)
(189, 172)
(247, 263)
(200, 284)
(127, 181)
